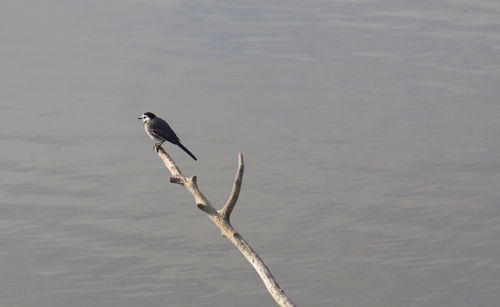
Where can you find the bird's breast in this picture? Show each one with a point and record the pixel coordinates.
(148, 131)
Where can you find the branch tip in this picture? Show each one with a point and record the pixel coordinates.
(235, 192)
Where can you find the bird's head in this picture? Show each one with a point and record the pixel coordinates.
(147, 117)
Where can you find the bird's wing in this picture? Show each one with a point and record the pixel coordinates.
(160, 127)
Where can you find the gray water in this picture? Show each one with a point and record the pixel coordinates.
(370, 131)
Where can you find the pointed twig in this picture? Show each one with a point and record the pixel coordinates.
(235, 192)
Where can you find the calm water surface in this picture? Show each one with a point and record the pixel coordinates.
(370, 130)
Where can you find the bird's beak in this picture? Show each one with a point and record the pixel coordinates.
(139, 117)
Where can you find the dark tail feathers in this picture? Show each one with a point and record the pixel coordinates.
(186, 150)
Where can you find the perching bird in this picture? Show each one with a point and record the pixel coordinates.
(160, 131)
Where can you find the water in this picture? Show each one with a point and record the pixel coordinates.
(369, 128)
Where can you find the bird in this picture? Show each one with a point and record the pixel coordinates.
(160, 131)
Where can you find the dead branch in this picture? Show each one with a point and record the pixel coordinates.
(221, 219)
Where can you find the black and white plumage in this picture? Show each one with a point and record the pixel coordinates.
(160, 131)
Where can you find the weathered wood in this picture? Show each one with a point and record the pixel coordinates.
(221, 219)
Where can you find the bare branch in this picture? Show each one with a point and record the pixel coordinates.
(169, 163)
(221, 220)
(235, 192)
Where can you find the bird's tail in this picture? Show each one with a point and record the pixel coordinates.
(186, 150)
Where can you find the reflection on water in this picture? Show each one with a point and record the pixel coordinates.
(369, 129)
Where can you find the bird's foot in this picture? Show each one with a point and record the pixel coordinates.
(155, 147)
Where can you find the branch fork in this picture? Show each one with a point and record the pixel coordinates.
(221, 218)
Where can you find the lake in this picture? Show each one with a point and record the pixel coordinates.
(370, 131)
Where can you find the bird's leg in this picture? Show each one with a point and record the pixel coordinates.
(156, 145)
